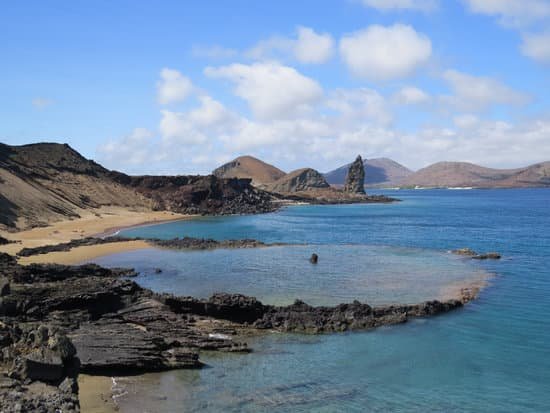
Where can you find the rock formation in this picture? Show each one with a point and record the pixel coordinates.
(378, 172)
(355, 179)
(185, 243)
(300, 180)
(199, 194)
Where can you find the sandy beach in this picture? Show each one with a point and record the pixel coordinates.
(95, 393)
(99, 222)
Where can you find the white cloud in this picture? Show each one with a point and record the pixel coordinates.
(132, 149)
(479, 93)
(173, 87)
(537, 46)
(176, 127)
(465, 121)
(411, 95)
(42, 103)
(313, 47)
(390, 5)
(271, 89)
(308, 47)
(516, 13)
(364, 105)
(383, 53)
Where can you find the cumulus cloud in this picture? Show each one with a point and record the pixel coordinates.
(383, 53)
(42, 103)
(312, 47)
(363, 104)
(515, 13)
(206, 136)
(173, 87)
(130, 150)
(307, 47)
(537, 46)
(390, 5)
(466, 121)
(479, 93)
(270, 89)
(411, 95)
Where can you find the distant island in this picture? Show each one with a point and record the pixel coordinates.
(384, 172)
(387, 173)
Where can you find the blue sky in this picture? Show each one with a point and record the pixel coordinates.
(179, 87)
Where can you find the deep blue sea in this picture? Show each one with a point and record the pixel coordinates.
(491, 356)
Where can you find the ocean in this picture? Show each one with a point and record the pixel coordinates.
(491, 356)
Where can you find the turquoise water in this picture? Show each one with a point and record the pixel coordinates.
(280, 275)
(491, 356)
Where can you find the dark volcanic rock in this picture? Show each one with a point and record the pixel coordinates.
(43, 370)
(4, 286)
(300, 180)
(188, 243)
(233, 307)
(467, 252)
(116, 326)
(67, 246)
(176, 243)
(355, 179)
(200, 194)
(314, 258)
(487, 256)
(4, 241)
(301, 317)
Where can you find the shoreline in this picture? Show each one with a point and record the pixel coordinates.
(113, 231)
(91, 223)
(96, 394)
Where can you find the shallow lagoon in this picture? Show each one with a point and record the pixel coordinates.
(278, 275)
(491, 356)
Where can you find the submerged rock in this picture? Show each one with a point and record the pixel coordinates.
(355, 179)
(487, 256)
(464, 251)
(476, 256)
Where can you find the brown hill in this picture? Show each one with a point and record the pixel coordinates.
(249, 167)
(463, 174)
(47, 182)
(299, 180)
(378, 172)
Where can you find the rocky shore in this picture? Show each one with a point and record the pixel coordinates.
(185, 243)
(56, 321)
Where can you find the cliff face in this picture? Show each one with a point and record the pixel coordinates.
(48, 182)
(355, 179)
(199, 194)
(299, 180)
(42, 183)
